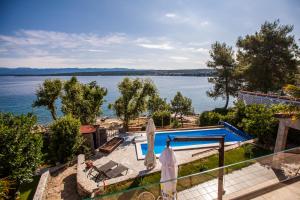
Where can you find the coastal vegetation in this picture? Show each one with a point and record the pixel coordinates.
(181, 105)
(65, 139)
(265, 61)
(256, 119)
(20, 146)
(47, 94)
(160, 110)
(226, 82)
(269, 58)
(82, 101)
(135, 94)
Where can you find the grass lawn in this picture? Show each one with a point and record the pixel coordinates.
(27, 190)
(242, 153)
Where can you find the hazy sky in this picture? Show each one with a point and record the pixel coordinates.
(156, 34)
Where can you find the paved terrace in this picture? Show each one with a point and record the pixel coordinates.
(258, 181)
(126, 155)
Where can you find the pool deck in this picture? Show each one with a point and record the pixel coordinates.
(126, 155)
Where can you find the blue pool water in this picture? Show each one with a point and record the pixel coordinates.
(161, 137)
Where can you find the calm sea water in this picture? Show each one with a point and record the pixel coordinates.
(18, 93)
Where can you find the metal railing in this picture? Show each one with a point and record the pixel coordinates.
(112, 132)
(240, 179)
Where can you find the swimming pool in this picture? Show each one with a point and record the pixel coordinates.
(161, 137)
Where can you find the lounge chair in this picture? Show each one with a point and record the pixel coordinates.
(100, 171)
(116, 171)
(108, 166)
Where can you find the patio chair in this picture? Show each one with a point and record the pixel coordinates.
(97, 175)
(107, 166)
(116, 171)
(100, 171)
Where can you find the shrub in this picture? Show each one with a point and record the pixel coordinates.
(248, 150)
(260, 121)
(209, 118)
(20, 147)
(65, 138)
(175, 124)
(222, 111)
(161, 118)
(236, 114)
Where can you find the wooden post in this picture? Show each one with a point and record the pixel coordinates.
(221, 170)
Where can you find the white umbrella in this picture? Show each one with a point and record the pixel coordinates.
(169, 171)
(150, 159)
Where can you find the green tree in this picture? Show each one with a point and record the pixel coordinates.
(226, 82)
(133, 101)
(47, 94)
(156, 103)
(181, 105)
(65, 139)
(268, 58)
(20, 147)
(83, 101)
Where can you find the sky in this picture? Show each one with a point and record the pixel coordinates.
(154, 34)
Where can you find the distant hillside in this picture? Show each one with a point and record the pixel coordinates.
(102, 72)
(36, 71)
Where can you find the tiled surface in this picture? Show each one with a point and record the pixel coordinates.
(237, 181)
(287, 192)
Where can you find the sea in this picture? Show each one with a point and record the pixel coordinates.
(17, 93)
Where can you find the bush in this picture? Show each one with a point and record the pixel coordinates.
(248, 149)
(65, 139)
(175, 124)
(260, 121)
(20, 147)
(209, 118)
(222, 111)
(161, 118)
(236, 114)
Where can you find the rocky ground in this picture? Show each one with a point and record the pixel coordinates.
(62, 185)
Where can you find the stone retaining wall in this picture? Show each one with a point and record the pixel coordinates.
(83, 188)
(40, 192)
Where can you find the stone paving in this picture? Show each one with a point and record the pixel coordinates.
(239, 180)
(287, 192)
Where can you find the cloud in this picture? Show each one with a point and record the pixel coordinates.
(163, 46)
(170, 15)
(185, 19)
(96, 50)
(40, 48)
(179, 58)
(60, 39)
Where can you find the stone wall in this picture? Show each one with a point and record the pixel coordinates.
(40, 193)
(82, 187)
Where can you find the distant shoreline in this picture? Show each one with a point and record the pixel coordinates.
(105, 72)
(106, 75)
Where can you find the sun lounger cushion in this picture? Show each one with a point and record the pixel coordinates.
(116, 171)
(108, 166)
